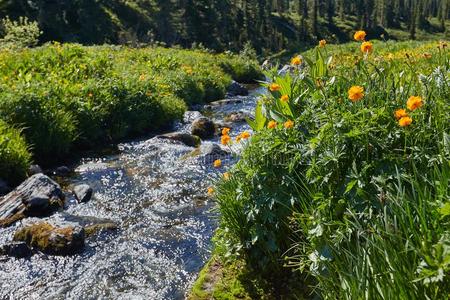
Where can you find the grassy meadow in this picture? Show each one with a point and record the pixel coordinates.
(342, 192)
(64, 97)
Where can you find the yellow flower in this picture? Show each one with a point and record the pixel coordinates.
(288, 124)
(356, 93)
(226, 175)
(225, 139)
(142, 77)
(366, 47)
(217, 163)
(400, 113)
(274, 87)
(296, 61)
(272, 125)
(225, 131)
(414, 102)
(284, 98)
(245, 135)
(405, 121)
(210, 191)
(322, 43)
(360, 35)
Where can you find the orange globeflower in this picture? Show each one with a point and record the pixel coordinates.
(360, 35)
(274, 87)
(400, 113)
(288, 124)
(225, 131)
(296, 61)
(210, 191)
(272, 125)
(322, 43)
(414, 102)
(238, 138)
(366, 47)
(245, 135)
(217, 163)
(284, 98)
(356, 93)
(405, 121)
(225, 139)
(226, 175)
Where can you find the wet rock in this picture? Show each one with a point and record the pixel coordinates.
(50, 239)
(185, 138)
(236, 117)
(213, 150)
(204, 128)
(190, 116)
(83, 192)
(62, 171)
(4, 188)
(37, 196)
(222, 125)
(34, 169)
(16, 249)
(224, 102)
(91, 225)
(236, 89)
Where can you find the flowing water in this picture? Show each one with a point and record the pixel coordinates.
(155, 192)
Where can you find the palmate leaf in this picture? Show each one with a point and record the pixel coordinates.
(260, 118)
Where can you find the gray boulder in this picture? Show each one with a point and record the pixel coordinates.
(83, 192)
(34, 169)
(204, 128)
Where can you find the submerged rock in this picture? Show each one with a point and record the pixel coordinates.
(211, 149)
(53, 240)
(16, 249)
(37, 196)
(83, 192)
(236, 89)
(225, 102)
(204, 128)
(185, 138)
(91, 225)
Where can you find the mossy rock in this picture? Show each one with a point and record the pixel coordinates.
(64, 240)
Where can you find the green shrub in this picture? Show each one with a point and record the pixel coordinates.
(14, 156)
(18, 34)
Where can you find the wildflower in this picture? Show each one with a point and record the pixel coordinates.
(225, 139)
(245, 135)
(427, 55)
(225, 131)
(284, 98)
(405, 121)
(356, 93)
(238, 138)
(296, 61)
(274, 87)
(142, 77)
(210, 191)
(272, 125)
(322, 43)
(366, 47)
(360, 35)
(217, 163)
(414, 102)
(90, 95)
(400, 113)
(442, 45)
(226, 175)
(288, 124)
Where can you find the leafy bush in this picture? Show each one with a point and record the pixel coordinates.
(324, 179)
(14, 155)
(19, 34)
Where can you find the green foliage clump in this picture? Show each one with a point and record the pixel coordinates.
(18, 34)
(348, 196)
(14, 155)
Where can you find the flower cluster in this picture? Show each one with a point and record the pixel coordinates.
(413, 103)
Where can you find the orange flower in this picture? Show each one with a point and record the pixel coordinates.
(245, 135)
(360, 35)
(400, 113)
(225, 139)
(274, 87)
(366, 47)
(405, 121)
(427, 55)
(284, 98)
(272, 125)
(322, 43)
(288, 124)
(225, 131)
(238, 138)
(142, 77)
(217, 163)
(296, 61)
(356, 93)
(210, 191)
(90, 95)
(226, 175)
(414, 102)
